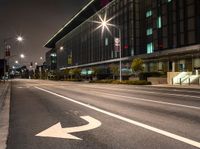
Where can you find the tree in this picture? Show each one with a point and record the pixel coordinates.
(114, 69)
(76, 72)
(94, 71)
(66, 73)
(137, 66)
(71, 73)
(100, 72)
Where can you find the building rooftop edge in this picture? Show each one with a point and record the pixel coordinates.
(48, 43)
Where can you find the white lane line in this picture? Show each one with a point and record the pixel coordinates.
(148, 100)
(145, 126)
(138, 91)
(100, 93)
(154, 88)
(20, 87)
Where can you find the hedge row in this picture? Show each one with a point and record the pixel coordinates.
(73, 80)
(128, 82)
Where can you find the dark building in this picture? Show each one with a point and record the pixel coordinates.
(165, 33)
(3, 67)
(51, 58)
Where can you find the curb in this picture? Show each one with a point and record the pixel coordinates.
(4, 118)
(178, 86)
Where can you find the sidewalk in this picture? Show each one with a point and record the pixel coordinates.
(4, 112)
(3, 89)
(178, 86)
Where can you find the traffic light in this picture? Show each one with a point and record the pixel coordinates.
(7, 53)
(7, 50)
(31, 63)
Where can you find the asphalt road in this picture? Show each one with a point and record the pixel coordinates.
(116, 116)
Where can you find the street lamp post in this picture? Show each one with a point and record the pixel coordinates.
(8, 47)
(120, 55)
(120, 52)
(104, 24)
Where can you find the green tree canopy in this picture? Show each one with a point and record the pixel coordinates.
(137, 65)
(76, 72)
(114, 69)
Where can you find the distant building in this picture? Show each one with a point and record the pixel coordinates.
(3, 63)
(165, 33)
(51, 60)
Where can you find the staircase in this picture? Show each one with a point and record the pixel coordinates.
(192, 79)
(186, 78)
(183, 76)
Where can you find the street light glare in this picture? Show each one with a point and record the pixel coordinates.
(16, 62)
(20, 38)
(22, 56)
(61, 48)
(104, 23)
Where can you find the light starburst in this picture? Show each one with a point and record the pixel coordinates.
(104, 23)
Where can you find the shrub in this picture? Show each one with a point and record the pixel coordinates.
(74, 80)
(131, 82)
(101, 81)
(128, 82)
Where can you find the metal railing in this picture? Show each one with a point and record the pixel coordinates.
(189, 81)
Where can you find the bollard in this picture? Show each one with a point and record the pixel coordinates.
(172, 81)
(199, 80)
(189, 81)
(180, 82)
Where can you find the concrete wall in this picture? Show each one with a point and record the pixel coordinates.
(157, 80)
(170, 76)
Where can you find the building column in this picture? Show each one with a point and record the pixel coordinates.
(173, 66)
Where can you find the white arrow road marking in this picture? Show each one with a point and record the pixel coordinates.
(56, 131)
(20, 87)
(130, 121)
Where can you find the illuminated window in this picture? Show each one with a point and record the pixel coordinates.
(132, 52)
(148, 13)
(106, 41)
(150, 48)
(149, 31)
(159, 22)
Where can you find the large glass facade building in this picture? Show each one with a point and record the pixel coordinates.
(164, 33)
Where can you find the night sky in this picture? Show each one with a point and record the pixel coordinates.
(37, 21)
